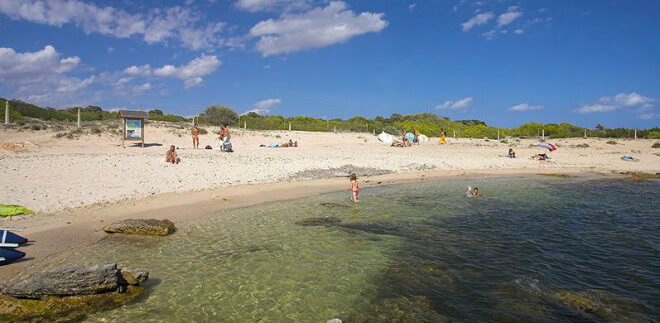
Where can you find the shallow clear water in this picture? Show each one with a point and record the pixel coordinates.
(545, 250)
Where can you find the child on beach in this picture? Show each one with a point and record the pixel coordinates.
(512, 154)
(171, 156)
(354, 187)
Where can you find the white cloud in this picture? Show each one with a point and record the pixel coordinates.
(111, 49)
(412, 7)
(513, 8)
(142, 88)
(264, 107)
(41, 76)
(138, 70)
(477, 20)
(273, 5)
(490, 34)
(454, 105)
(315, 28)
(518, 31)
(525, 107)
(507, 18)
(157, 25)
(641, 105)
(190, 73)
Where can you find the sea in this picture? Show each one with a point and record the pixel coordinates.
(538, 249)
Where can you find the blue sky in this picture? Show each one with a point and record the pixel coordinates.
(504, 62)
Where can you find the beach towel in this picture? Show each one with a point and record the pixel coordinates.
(11, 210)
(423, 138)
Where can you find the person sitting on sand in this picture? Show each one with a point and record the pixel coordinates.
(416, 133)
(406, 142)
(171, 156)
(195, 136)
(354, 187)
(512, 154)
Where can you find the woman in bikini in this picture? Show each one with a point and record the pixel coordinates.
(354, 187)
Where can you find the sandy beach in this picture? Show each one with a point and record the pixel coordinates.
(78, 185)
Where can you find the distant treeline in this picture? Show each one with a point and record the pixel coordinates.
(427, 123)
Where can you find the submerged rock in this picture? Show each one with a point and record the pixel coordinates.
(70, 293)
(334, 205)
(401, 309)
(141, 226)
(319, 221)
(71, 308)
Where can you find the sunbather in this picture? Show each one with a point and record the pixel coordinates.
(171, 156)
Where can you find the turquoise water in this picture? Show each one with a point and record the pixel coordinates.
(546, 250)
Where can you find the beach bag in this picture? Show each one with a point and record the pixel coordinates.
(386, 138)
(208, 147)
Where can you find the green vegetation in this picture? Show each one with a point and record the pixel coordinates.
(218, 115)
(427, 123)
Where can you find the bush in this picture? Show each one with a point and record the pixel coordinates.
(656, 145)
(612, 142)
(36, 127)
(218, 115)
(203, 131)
(96, 130)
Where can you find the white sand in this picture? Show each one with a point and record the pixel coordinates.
(50, 174)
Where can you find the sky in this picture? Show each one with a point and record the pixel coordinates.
(505, 62)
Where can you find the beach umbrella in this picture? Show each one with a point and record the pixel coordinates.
(548, 146)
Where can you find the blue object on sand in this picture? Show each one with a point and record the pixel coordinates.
(6, 236)
(410, 137)
(9, 255)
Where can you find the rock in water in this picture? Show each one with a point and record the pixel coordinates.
(134, 276)
(67, 282)
(141, 226)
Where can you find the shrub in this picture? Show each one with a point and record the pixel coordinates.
(36, 127)
(60, 134)
(582, 146)
(96, 130)
(656, 145)
(612, 142)
(203, 131)
(219, 115)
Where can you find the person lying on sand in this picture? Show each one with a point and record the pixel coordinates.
(512, 154)
(171, 156)
(396, 143)
(540, 157)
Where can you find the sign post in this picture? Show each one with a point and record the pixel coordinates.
(6, 111)
(133, 125)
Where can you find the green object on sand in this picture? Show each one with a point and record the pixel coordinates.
(11, 210)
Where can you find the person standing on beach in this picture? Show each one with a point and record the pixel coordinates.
(354, 187)
(443, 137)
(195, 136)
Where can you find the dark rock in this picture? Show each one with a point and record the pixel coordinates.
(77, 281)
(141, 226)
(67, 282)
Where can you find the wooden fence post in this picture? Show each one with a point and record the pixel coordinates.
(6, 111)
(78, 117)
